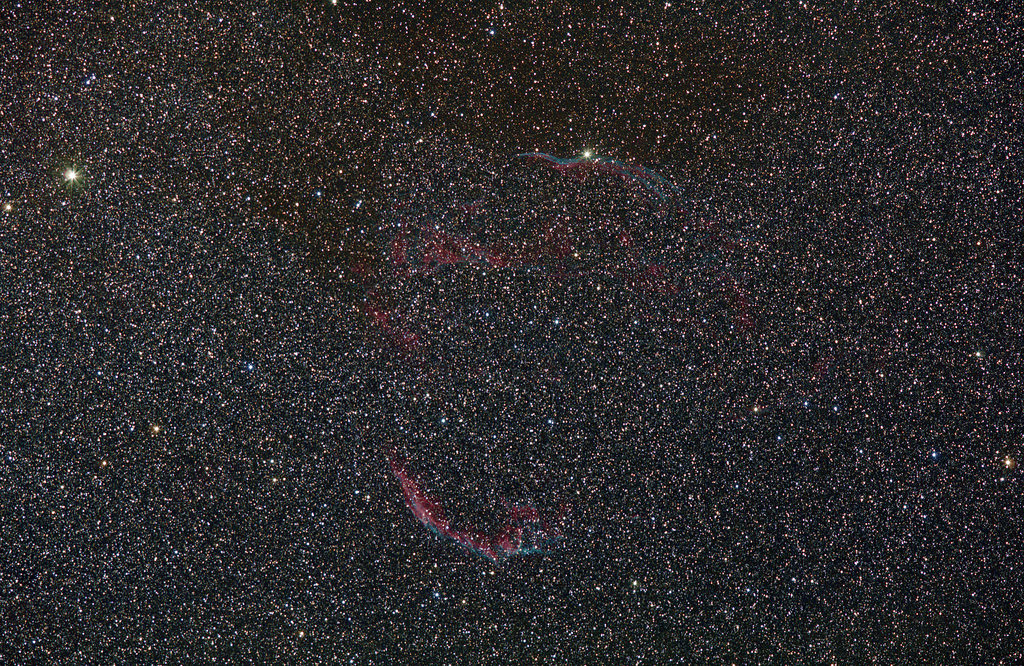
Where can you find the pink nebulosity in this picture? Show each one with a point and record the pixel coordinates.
(552, 243)
(423, 249)
(404, 339)
(426, 510)
(524, 532)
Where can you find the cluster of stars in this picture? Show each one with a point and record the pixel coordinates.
(198, 208)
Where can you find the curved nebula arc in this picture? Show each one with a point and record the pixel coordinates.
(495, 289)
(524, 531)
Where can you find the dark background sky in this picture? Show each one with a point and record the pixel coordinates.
(194, 203)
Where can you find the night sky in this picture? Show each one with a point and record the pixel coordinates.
(749, 354)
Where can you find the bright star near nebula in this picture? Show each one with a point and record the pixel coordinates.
(702, 319)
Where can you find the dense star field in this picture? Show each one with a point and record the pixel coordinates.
(639, 333)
